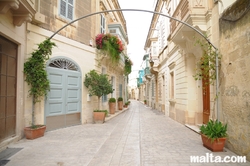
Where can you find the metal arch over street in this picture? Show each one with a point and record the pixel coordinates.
(148, 11)
(136, 10)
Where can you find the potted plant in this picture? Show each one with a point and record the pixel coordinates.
(145, 101)
(36, 77)
(126, 104)
(120, 103)
(214, 135)
(112, 104)
(99, 115)
(98, 85)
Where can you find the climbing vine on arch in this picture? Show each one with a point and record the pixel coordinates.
(206, 65)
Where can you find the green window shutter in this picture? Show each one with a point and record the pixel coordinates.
(120, 90)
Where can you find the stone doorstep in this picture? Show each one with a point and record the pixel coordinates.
(195, 128)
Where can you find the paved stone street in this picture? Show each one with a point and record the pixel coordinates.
(140, 136)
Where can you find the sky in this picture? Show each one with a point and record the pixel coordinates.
(137, 28)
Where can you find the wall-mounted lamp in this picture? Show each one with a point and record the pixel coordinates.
(151, 63)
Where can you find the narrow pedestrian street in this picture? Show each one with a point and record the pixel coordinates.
(140, 136)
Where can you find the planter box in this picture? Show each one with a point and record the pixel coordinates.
(99, 117)
(216, 146)
(34, 133)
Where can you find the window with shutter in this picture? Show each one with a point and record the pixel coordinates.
(120, 90)
(66, 9)
(103, 22)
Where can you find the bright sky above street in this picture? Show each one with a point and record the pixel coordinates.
(137, 27)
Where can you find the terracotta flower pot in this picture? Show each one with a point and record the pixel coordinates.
(112, 108)
(31, 133)
(216, 146)
(99, 117)
(120, 105)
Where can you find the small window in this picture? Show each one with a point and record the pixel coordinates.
(103, 22)
(66, 9)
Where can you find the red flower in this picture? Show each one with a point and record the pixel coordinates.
(99, 40)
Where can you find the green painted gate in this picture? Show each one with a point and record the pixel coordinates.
(63, 103)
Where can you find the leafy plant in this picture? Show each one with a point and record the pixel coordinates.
(112, 100)
(98, 84)
(214, 130)
(36, 75)
(127, 103)
(111, 45)
(127, 66)
(206, 66)
(106, 112)
(120, 99)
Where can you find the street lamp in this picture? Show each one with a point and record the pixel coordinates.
(151, 63)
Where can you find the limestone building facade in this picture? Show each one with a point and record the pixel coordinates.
(173, 54)
(26, 23)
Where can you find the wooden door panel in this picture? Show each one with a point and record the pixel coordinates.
(73, 92)
(63, 105)
(55, 104)
(8, 67)
(206, 101)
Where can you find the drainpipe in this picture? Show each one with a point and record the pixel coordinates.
(217, 84)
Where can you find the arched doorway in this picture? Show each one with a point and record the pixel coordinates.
(63, 103)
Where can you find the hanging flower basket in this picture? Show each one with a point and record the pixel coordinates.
(128, 66)
(110, 45)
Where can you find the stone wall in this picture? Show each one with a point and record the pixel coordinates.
(79, 31)
(235, 75)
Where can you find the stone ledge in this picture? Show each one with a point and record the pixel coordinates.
(116, 113)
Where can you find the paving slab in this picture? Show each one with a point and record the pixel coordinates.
(138, 136)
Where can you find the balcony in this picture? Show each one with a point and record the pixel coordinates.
(22, 11)
(147, 73)
(192, 12)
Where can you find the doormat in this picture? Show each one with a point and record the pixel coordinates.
(7, 153)
(3, 162)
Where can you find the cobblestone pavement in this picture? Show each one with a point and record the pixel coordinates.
(140, 136)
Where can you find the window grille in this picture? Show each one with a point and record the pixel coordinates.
(63, 64)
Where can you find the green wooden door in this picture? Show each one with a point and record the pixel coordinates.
(63, 103)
